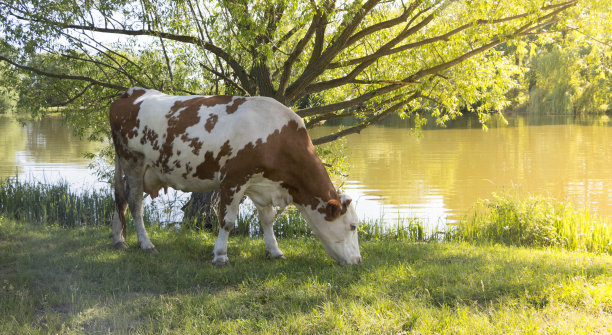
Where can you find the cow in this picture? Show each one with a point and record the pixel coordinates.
(241, 146)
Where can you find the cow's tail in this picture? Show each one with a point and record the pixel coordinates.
(121, 194)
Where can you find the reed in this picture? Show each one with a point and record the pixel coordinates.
(404, 229)
(535, 221)
(36, 202)
(59, 204)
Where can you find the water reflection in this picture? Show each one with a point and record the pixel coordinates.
(44, 150)
(439, 175)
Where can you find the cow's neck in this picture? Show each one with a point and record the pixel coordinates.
(313, 187)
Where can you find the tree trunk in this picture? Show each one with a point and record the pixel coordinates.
(200, 212)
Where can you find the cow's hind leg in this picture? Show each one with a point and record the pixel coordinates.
(118, 221)
(134, 179)
(266, 219)
(229, 205)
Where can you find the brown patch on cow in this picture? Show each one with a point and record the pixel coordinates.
(188, 170)
(194, 143)
(333, 209)
(124, 122)
(149, 135)
(182, 115)
(210, 165)
(211, 121)
(288, 156)
(234, 106)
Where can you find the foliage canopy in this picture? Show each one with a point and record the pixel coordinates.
(326, 59)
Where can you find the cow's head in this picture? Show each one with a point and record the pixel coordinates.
(335, 223)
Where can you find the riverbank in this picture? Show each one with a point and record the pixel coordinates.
(70, 281)
(516, 220)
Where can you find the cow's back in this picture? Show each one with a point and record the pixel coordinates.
(186, 141)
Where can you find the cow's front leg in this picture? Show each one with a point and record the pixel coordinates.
(266, 219)
(135, 203)
(117, 228)
(228, 208)
(220, 251)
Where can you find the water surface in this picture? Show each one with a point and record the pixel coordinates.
(45, 150)
(439, 175)
(394, 173)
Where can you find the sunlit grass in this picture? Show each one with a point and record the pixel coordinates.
(71, 281)
(535, 221)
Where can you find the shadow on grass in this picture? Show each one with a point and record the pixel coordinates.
(51, 276)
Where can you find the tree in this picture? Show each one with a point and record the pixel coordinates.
(334, 59)
(569, 73)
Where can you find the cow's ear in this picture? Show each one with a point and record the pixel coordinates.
(333, 209)
(345, 204)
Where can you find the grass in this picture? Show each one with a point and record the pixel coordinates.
(70, 281)
(535, 221)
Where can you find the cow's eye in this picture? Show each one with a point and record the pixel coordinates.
(353, 227)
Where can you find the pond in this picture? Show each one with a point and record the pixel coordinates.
(45, 150)
(394, 173)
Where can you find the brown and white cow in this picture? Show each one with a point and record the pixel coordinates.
(251, 146)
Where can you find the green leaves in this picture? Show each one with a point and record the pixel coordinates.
(358, 57)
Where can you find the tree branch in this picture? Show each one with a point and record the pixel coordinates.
(71, 100)
(321, 86)
(107, 54)
(408, 31)
(347, 103)
(225, 78)
(443, 37)
(384, 25)
(496, 41)
(63, 76)
(370, 121)
(315, 24)
(315, 68)
(330, 116)
(236, 67)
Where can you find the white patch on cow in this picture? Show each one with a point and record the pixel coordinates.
(116, 229)
(265, 192)
(231, 209)
(266, 220)
(255, 119)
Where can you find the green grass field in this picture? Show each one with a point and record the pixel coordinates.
(70, 281)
